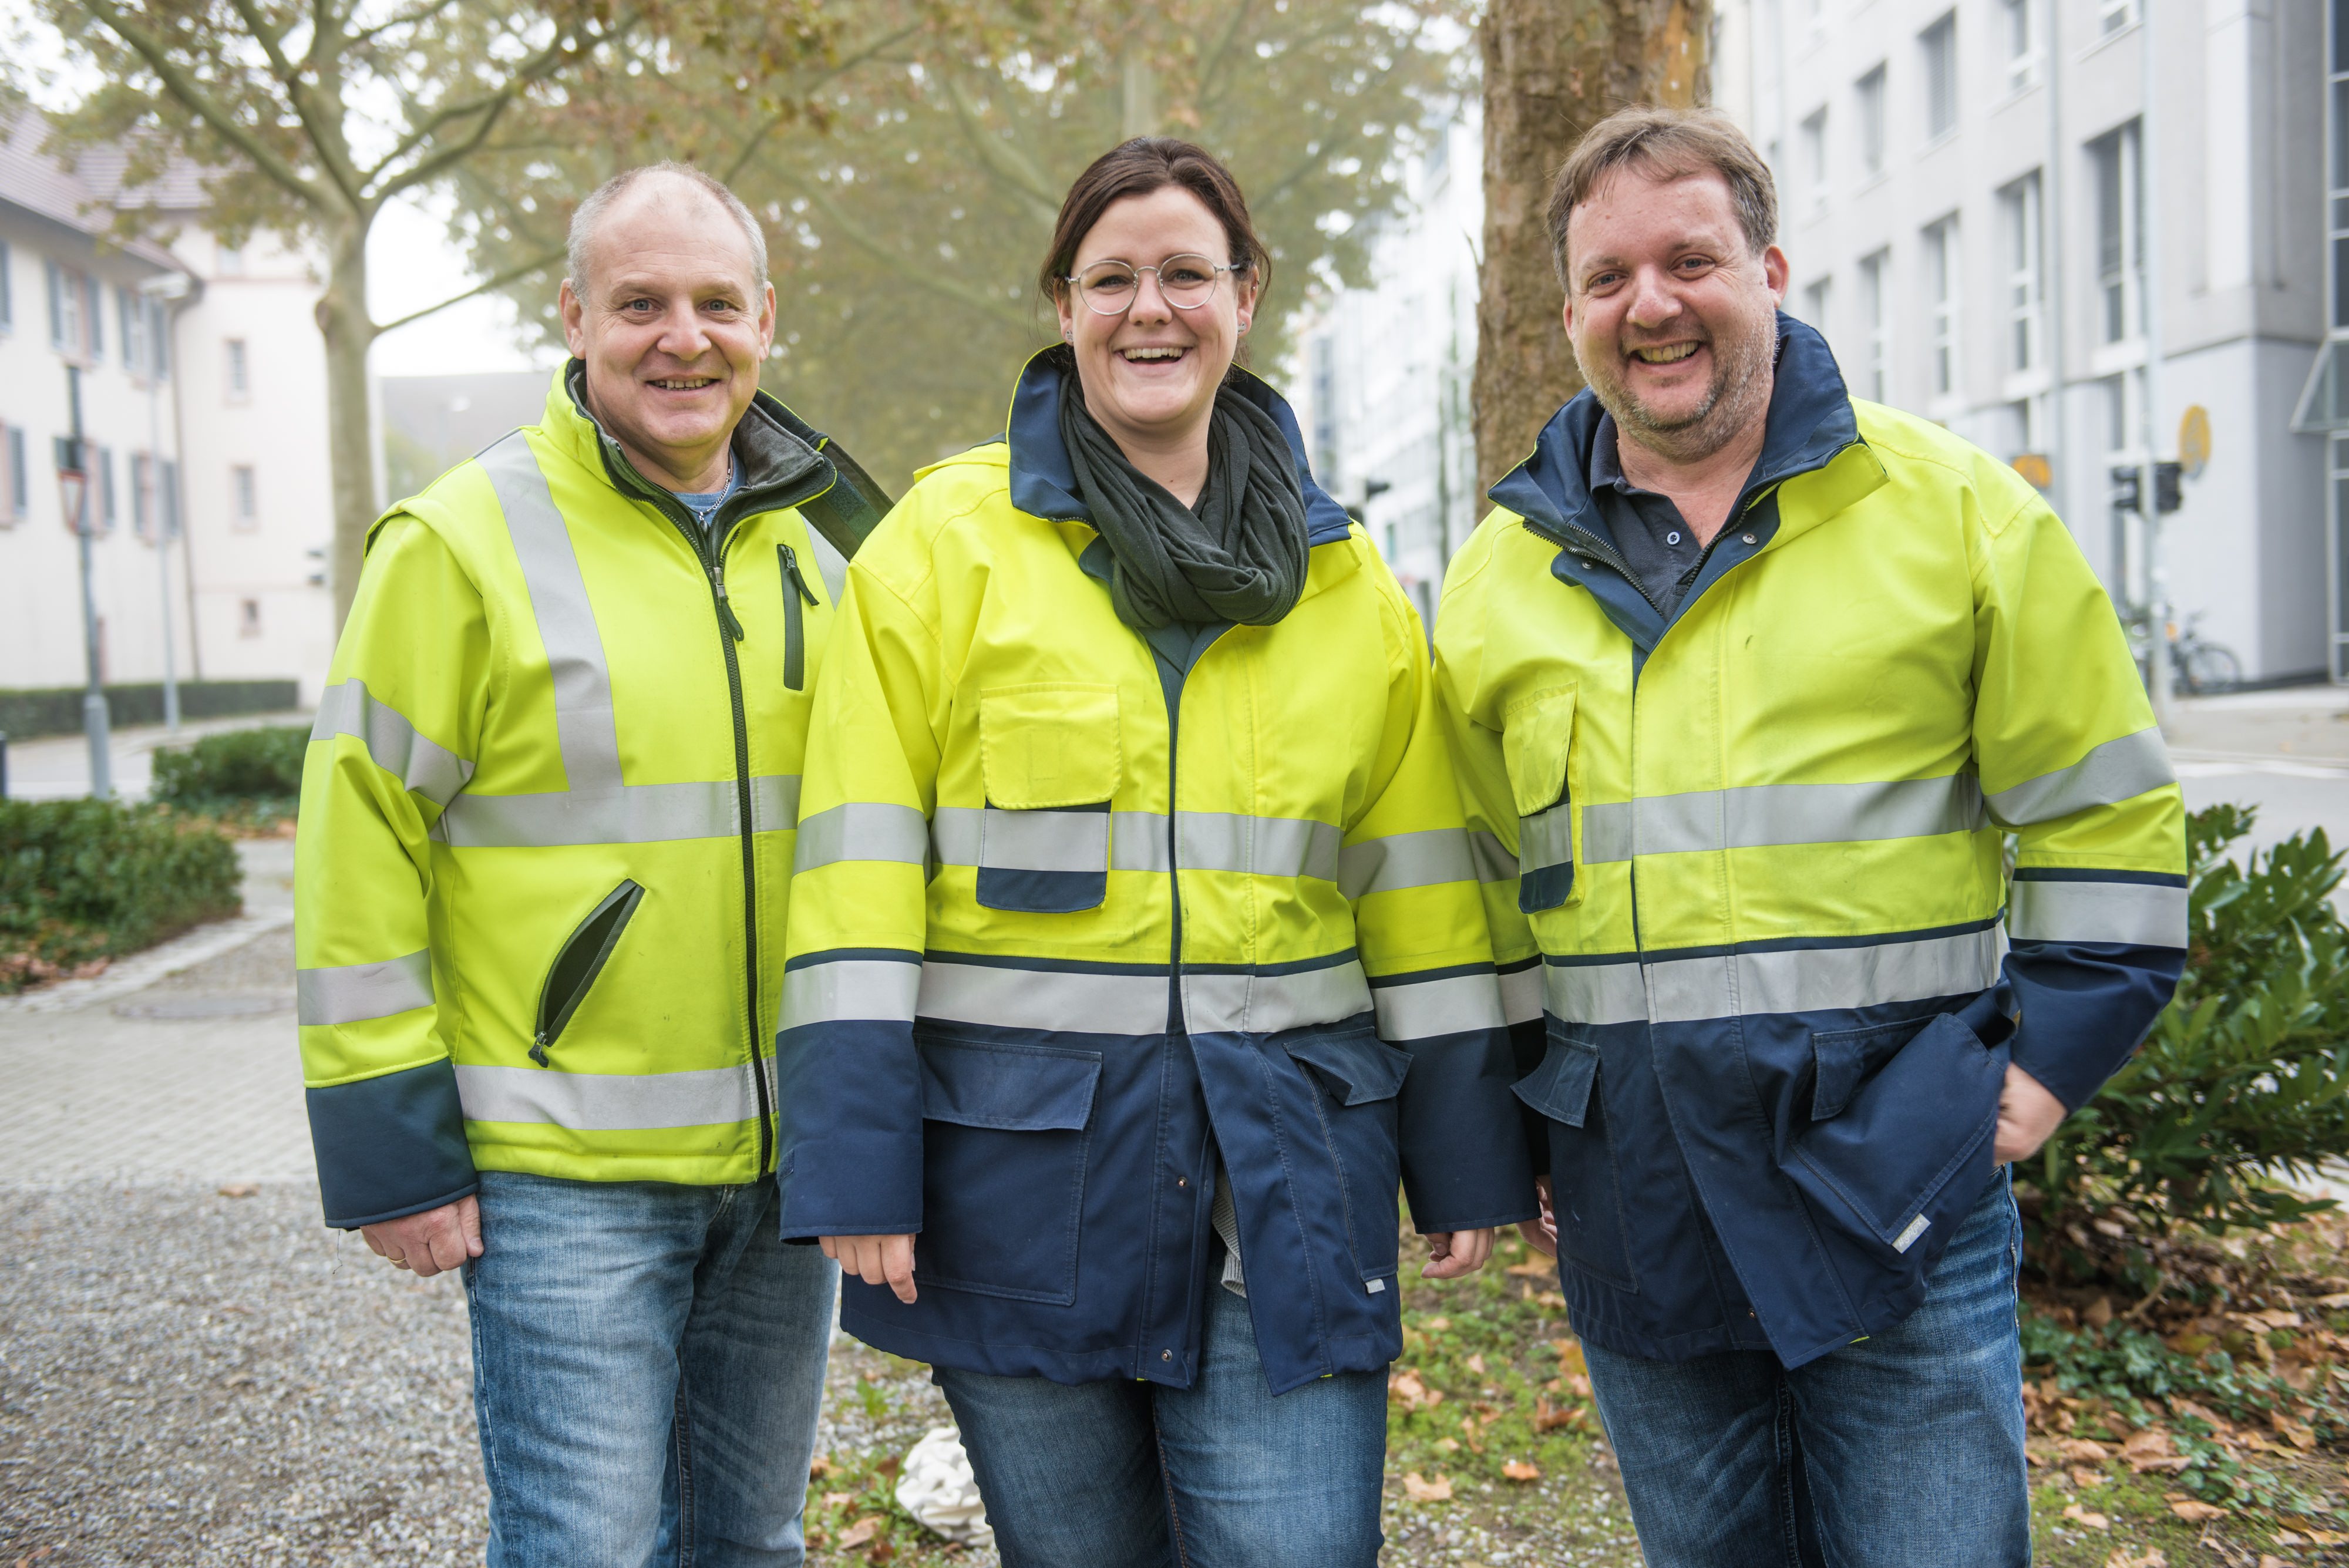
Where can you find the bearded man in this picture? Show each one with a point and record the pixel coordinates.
(1750, 679)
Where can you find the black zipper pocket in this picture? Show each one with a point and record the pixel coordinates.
(795, 588)
(580, 959)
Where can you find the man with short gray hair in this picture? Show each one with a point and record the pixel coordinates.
(547, 826)
(1752, 680)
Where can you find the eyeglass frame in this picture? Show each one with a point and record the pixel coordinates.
(1220, 268)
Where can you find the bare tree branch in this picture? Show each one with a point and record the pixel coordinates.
(836, 70)
(529, 72)
(1000, 159)
(511, 275)
(929, 277)
(325, 139)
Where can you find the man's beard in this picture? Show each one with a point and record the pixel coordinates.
(1741, 379)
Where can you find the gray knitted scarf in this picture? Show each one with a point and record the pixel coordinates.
(1237, 554)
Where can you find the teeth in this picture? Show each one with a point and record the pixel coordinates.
(685, 384)
(1665, 356)
(1132, 354)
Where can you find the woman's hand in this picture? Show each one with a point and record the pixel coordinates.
(1452, 1253)
(1541, 1234)
(875, 1259)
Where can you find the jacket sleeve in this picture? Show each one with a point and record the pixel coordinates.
(397, 731)
(849, 1076)
(1406, 866)
(2071, 764)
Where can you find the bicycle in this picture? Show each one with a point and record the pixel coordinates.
(2198, 666)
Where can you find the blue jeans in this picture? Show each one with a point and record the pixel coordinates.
(1132, 1475)
(1903, 1451)
(648, 1361)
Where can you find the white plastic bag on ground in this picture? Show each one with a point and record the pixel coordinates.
(938, 1488)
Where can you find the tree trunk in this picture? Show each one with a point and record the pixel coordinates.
(1553, 68)
(348, 331)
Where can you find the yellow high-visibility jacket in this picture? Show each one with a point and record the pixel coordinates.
(1076, 908)
(1761, 898)
(547, 818)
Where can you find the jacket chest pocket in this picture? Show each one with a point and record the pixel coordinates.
(1537, 743)
(1051, 759)
(1358, 1076)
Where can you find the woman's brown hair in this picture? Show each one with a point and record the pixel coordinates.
(1136, 167)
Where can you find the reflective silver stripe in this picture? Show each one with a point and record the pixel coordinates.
(862, 830)
(1808, 980)
(1492, 859)
(608, 1102)
(851, 990)
(1595, 992)
(1262, 1003)
(1044, 840)
(354, 992)
(1547, 838)
(2146, 914)
(392, 744)
(1761, 815)
(1521, 994)
(1400, 860)
(566, 620)
(1211, 841)
(1004, 998)
(633, 814)
(1420, 1010)
(2117, 770)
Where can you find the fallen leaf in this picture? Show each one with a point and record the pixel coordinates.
(2087, 1478)
(2151, 1443)
(2194, 1512)
(2082, 1449)
(2123, 1557)
(820, 1467)
(1419, 1488)
(2099, 1312)
(1570, 1356)
(2298, 1434)
(2268, 1559)
(1538, 1267)
(1447, 1445)
(2079, 1515)
(1521, 1470)
(1476, 1364)
(2326, 1537)
(863, 1530)
(882, 1553)
(1552, 1300)
(2340, 1299)
(1437, 1325)
(241, 1189)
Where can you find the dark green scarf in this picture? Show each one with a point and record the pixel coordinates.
(1237, 554)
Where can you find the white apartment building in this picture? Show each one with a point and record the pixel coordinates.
(1993, 231)
(195, 350)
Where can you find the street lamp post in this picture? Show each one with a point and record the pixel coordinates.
(167, 290)
(73, 487)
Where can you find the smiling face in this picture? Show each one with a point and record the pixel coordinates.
(674, 326)
(1150, 375)
(1672, 316)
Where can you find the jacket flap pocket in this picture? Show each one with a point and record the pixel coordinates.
(1560, 1087)
(1050, 745)
(1013, 1088)
(1536, 734)
(1360, 1068)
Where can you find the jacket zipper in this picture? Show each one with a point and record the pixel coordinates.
(795, 635)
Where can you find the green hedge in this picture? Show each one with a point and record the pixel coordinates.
(241, 773)
(27, 712)
(84, 879)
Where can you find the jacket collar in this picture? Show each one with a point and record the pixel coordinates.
(1043, 485)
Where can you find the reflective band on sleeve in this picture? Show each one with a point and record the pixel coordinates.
(633, 814)
(1811, 979)
(1411, 1009)
(354, 992)
(1494, 862)
(2115, 772)
(608, 1102)
(566, 620)
(1611, 991)
(1521, 992)
(1762, 815)
(392, 744)
(1547, 839)
(1426, 859)
(1083, 1001)
(1044, 840)
(2142, 914)
(870, 987)
(1261, 1004)
(862, 830)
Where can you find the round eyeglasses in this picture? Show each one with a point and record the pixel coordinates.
(1111, 287)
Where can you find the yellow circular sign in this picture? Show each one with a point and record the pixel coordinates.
(2194, 442)
(2035, 470)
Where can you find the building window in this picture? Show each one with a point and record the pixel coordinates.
(1942, 299)
(1938, 43)
(245, 503)
(239, 373)
(2019, 217)
(168, 494)
(1814, 132)
(19, 481)
(1816, 299)
(12, 448)
(248, 617)
(2121, 235)
(231, 261)
(105, 477)
(132, 308)
(94, 316)
(2019, 44)
(1869, 100)
(68, 334)
(2112, 16)
(7, 287)
(1875, 314)
(158, 339)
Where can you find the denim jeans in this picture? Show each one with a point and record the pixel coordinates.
(648, 1361)
(1903, 1451)
(1132, 1475)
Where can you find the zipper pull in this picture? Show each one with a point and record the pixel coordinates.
(725, 610)
(792, 565)
(538, 1050)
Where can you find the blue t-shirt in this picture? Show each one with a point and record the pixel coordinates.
(704, 504)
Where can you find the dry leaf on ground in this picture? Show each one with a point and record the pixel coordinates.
(2194, 1512)
(863, 1530)
(1521, 1470)
(2123, 1557)
(1419, 1488)
(2079, 1515)
(2083, 1449)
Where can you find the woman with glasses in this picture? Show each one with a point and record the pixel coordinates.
(1137, 948)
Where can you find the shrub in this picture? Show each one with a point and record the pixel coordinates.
(240, 772)
(84, 879)
(2245, 1077)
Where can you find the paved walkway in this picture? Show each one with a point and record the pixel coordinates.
(56, 767)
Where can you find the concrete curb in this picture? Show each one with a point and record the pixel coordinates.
(142, 970)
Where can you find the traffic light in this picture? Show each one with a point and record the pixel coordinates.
(2128, 491)
(2166, 495)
